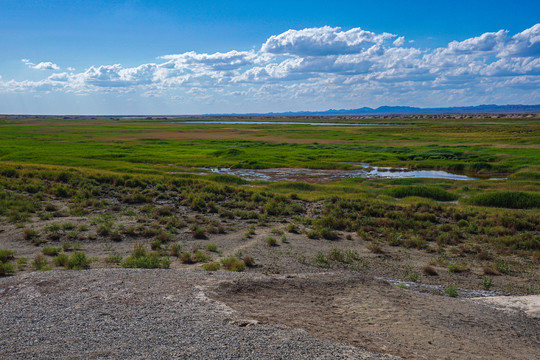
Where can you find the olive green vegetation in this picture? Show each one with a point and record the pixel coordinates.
(92, 164)
(507, 199)
(154, 147)
(429, 192)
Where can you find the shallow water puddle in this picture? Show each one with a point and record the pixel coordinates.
(239, 122)
(324, 175)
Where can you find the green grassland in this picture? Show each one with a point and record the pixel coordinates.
(85, 161)
(135, 146)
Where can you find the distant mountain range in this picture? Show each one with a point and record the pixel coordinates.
(402, 110)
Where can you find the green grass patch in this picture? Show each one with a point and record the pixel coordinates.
(506, 199)
(430, 192)
(141, 258)
(6, 255)
(294, 186)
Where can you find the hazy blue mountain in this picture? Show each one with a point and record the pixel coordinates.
(390, 110)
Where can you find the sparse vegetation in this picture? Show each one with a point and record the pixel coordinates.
(487, 283)
(40, 263)
(212, 247)
(114, 258)
(213, 266)
(451, 290)
(115, 191)
(271, 241)
(6, 268)
(51, 250)
(78, 261)
(61, 260)
(141, 258)
(6, 255)
(231, 263)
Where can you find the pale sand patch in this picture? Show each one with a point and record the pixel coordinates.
(529, 304)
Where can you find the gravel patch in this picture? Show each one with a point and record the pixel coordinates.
(142, 314)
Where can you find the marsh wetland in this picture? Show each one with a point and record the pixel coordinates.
(436, 208)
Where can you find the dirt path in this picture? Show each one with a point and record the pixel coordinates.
(382, 318)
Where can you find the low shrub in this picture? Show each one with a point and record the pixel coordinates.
(429, 192)
(51, 250)
(320, 258)
(176, 249)
(271, 241)
(249, 261)
(115, 236)
(487, 283)
(212, 247)
(21, 262)
(30, 233)
(7, 268)
(40, 263)
(375, 247)
(233, 264)
(213, 266)
(451, 290)
(502, 267)
(457, 268)
(250, 232)
(506, 199)
(114, 258)
(292, 228)
(198, 232)
(78, 261)
(155, 245)
(6, 255)
(140, 258)
(186, 258)
(200, 256)
(336, 255)
(61, 260)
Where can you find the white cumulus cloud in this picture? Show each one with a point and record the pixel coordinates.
(45, 65)
(325, 65)
(323, 41)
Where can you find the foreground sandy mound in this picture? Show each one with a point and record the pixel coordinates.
(375, 315)
(141, 314)
(163, 314)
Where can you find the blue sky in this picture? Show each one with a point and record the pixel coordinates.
(180, 57)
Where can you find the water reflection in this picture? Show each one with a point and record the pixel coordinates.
(240, 122)
(323, 175)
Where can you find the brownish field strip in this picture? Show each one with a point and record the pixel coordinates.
(236, 135)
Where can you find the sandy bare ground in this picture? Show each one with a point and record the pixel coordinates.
(530, 305)
(371, 314)
(133, 313)
(142, 314)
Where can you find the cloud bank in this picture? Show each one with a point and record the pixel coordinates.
(325, 66)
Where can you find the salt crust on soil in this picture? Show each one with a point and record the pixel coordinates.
(530, 304)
